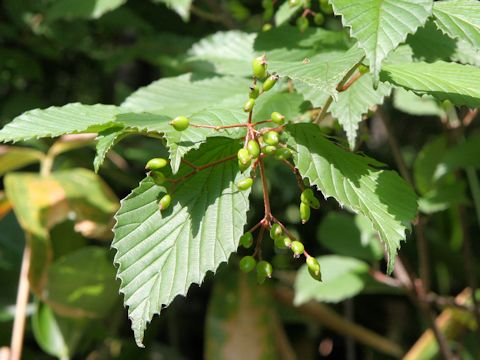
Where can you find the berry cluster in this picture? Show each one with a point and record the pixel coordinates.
(318, 16)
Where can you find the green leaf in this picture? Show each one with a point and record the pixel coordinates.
(444, 81)
(463, 155)
(355, 102)
(459, 19)
(342, 278)
(56, 121)
(160, 254)
(427, 162)
(85, 9)
(106, 139)
(412, 104)
(381, 25)
(181, 7)
(466, 54)
(13, 158)
(381, 196)
(285, 12)
(290, 105)
(443, 197)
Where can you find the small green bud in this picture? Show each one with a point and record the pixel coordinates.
(270, 82)
(319, 19)
(259, 67)
(247, 264)
(246, 240)
(244, 156)
(276, 231)
(304, 212)
(269, 150)
(158, 177)
(267, 27)
(264, 270)
(271, 138)
(283, 153)
(249, 105)
(363, 69)
(245, 184)
(302, 23)
(297, 248)
(254, 92)
(180, 123)
(164, 202)
(314, 268)
(283, 242)
(277, 118)
(156, 164)
(253, 148)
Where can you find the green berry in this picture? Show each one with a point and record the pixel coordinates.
(304, 212)
(158, 177)
(283, 242)
(314, 268)
(271, 138)
(267, 27)
(269, 150)
(242, 166)
(363, 69)
(244, 156)
(276, 231)
(249, 105)
(293, 3)
(283, 153)
(254, 92)
(245, 184)
(253, 148)
(180, 123)
(259, 67)
(307, 196)
(297, 248)
(319, 19)
(156, 164)
(314, 203)
(246, 240)
(277, 118)
(164, 202)
(270, 82)
(264, 270)
(302, 23)
(247, 264)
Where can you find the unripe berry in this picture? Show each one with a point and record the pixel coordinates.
(253, 148)
(293, 3)
(247, 264)
(269, 150)
(297, 248)
(246, 240)
(282, 242)
(302, 23)
(242, 166)
(270, 82)
(158, 177)
(249, 105)
(363, 69)
(164, 202)
(314, 268)
(307, 195)
(259, 67)
(245, 184)
(254, 92)
(304, 212)
(319, 19)
(244, 156)
(314, 203)
(156, 164)
(180, 123)
(276, 231)
(277, 118)
(267, 27)
(283, 153)
(271, 138)
(264, 270)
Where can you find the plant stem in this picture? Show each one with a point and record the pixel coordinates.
(475, 189)
(266, 200)
(200, 168)
(21, 307)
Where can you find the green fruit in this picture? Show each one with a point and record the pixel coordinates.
(249, 105)
(180, 123)
(293, 3)
(302, 23)
(164, 202)
(243, 167)
(297, 248)
(314, 268)
(259, 67)
(245, 184)
(283, 154)
(283, 242)
(304, 212)
(314, 203)
(269, 150)
(247, 264)
(270, 82)
(319, 19)
(254, 92)
(246, 240)
(267, 27)
(363, 69)
(277, 118)
(244, 156)
(307, 196)
(264, 270)
(158, 177)
(253, 148)
(276, 231)
(156, 164)
(271, 138)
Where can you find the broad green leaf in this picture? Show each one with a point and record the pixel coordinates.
(181, 7)
(85, 9)
(238, 306)
(355, 102)
(290, 105)
(188, 94)
(349, 236)
(106, 139)
(459, 19)
(444, 81)
(380, 195)
(466, 54)
(285, 12)
(429, 44)
(82, 283)
(160, 254)
(427, 162)
(381, 25)
(342, 278)
(412, 104)
(463, 155)
(13, 158)
(56, 121)
(443, 197)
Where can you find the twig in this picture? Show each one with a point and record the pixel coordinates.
(202, 167)
(266, 200)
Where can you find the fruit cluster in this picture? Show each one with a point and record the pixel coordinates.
(318, 16)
